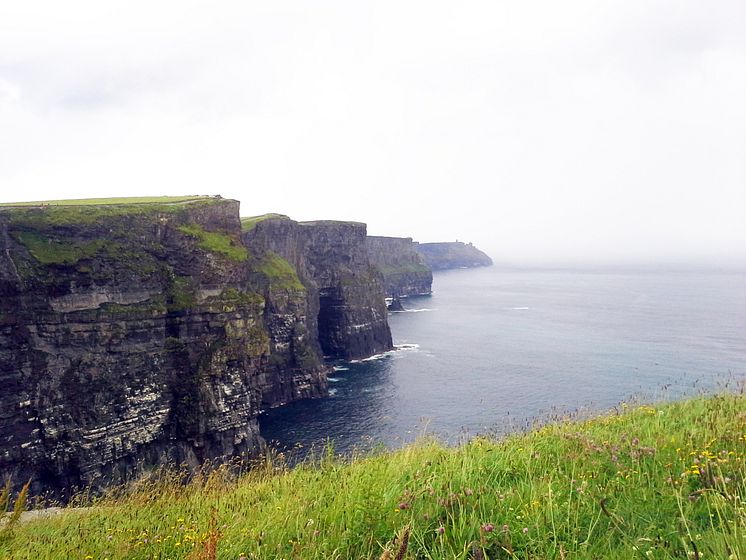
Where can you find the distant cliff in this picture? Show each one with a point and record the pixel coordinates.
(404, 270)
(442, 256)
(345, 290)
(138, 332)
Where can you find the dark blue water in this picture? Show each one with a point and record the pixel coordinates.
(496, 348)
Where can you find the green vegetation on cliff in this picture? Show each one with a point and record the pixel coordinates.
(280, 272)
(111, 201)
(49, 250)
(642, 482)
(249, 223)
(55, 213)
(216, 242)
(405, 268)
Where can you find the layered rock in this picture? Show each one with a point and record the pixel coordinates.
(345, 292)
(136, 334)
(455, 254)
(403, 268)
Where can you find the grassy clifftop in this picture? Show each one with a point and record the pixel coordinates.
(111, 201)
(643, 482)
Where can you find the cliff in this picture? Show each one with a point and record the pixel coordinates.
(332, 263)
(442, 256)
(403, 268)
(136, 332)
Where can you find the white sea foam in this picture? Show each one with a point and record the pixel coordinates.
(333, 379)
(383, 355)
(519, 308)
(341, 368)
(332, 392)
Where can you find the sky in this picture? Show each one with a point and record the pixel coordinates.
(542, 131)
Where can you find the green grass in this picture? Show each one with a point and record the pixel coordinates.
(111, 201)
(43, 216)
(249, 223)
(280, 272)
(664, 482)
(409, 268)
(216, 242)
(47, 250)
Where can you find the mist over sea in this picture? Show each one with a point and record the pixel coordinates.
(492, 349)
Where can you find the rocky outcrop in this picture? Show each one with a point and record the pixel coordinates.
(345, 292)
(135, 334)
(403, 268)
(442, 256)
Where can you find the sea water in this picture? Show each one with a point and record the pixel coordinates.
(494, 349)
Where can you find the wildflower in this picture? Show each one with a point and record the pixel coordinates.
(525, 530)
(403, 505)
(506, 528)
(488, 527)
(440, 530)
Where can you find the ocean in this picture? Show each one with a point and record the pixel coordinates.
(493, 350)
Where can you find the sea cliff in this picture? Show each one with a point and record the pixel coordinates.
(455, 254)
(147, 331)
(403, 268)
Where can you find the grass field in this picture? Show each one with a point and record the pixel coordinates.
(110, 201)
(647, 482)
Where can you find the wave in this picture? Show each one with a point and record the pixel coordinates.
(382, 355)
(412, 310)
(341, 368)
(519, 308)
(332, 392)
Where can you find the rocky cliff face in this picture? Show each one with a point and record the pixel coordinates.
(345, 292)
(404, 270)
(134, 334)
(442, 256)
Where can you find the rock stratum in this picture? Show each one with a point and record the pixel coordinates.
(455, 254)
(135, 333)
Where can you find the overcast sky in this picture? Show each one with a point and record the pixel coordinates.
(541, 131)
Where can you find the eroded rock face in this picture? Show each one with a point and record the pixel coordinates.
(345, 292)
(132, 335)
(454, 254)
(404, 270)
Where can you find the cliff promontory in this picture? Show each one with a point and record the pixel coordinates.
(136, 332)
(332, 262)
(442, 256)
(404, 270)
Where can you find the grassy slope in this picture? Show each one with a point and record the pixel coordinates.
(646, 483)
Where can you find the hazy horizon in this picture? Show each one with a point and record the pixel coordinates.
(578, 133)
